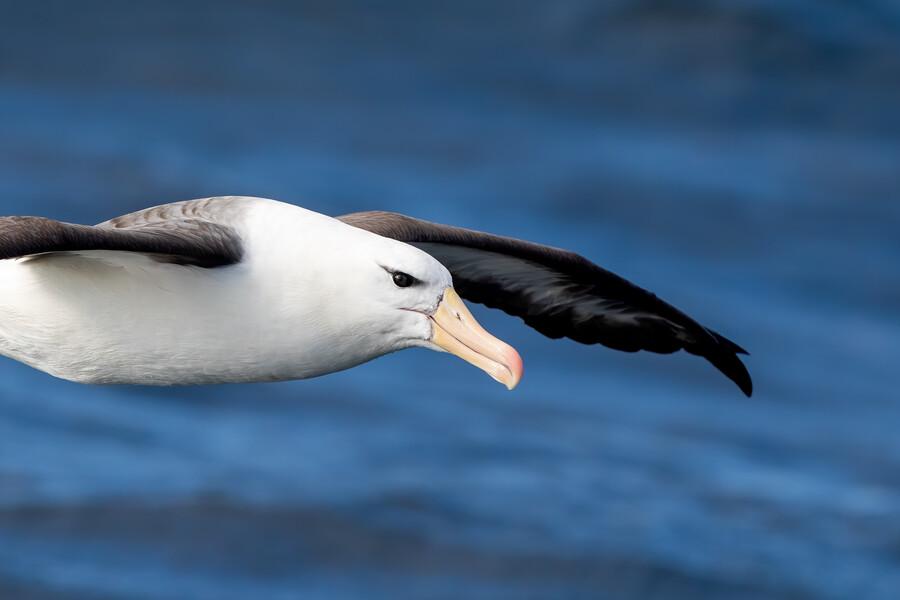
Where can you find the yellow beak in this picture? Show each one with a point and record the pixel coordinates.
(455, 330)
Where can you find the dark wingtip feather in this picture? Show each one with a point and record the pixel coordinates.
(566, 295)
(732, 367)
(724, 341)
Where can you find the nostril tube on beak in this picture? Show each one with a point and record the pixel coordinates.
(455, 330)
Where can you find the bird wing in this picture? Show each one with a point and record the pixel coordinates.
(189, 233)
(559, 293)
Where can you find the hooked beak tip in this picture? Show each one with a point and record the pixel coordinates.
(515, 367)
(455, 330)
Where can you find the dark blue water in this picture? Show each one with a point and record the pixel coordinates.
(741, 159)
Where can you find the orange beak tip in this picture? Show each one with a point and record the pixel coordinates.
(516, 368)
(456, 331)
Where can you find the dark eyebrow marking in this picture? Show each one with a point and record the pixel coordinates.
(390, 271)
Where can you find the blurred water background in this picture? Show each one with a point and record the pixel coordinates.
(740, 158)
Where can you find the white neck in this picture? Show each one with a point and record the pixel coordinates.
(113, 317)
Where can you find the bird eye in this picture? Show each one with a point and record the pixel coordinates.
(402, 279)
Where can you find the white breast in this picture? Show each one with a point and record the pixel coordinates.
(115, 317)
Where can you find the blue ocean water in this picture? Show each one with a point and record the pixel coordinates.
(739, 158)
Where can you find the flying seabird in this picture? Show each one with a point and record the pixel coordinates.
(241, 289)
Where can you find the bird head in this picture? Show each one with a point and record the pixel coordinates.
(410, 301)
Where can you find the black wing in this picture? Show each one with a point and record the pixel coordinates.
(559, 293)
(182, 233)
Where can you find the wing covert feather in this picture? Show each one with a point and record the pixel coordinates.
(183, 233)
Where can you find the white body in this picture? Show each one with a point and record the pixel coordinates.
(304, 301)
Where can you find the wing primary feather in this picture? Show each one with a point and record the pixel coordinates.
(179, 233)
(559, 293)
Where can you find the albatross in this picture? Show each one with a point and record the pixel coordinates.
(241, 289)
